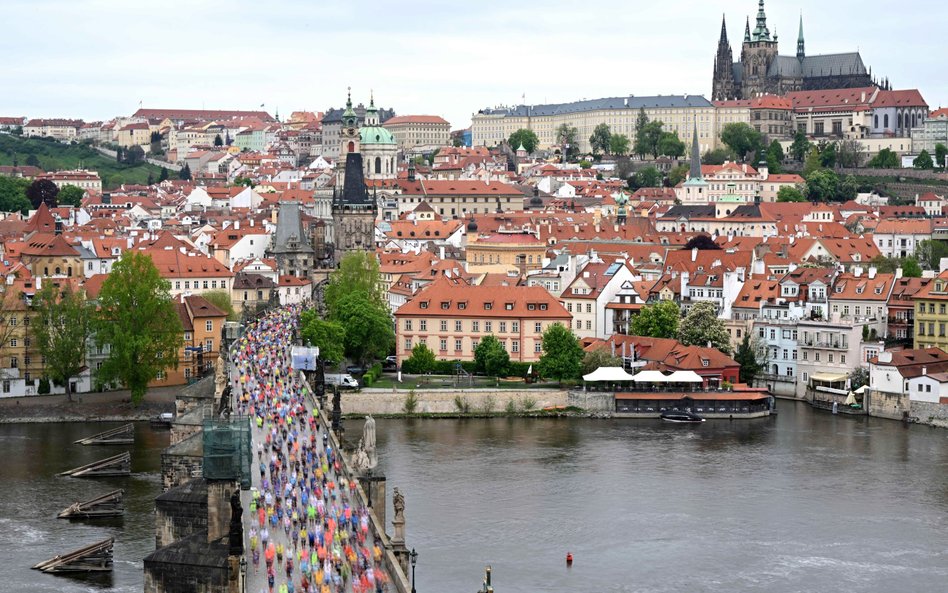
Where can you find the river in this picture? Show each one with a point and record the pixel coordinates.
(804, 502)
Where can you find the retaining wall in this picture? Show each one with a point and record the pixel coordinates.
(931, 413)
(442, 401)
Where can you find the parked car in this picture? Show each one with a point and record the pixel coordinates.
(390, 363)
(354, 369)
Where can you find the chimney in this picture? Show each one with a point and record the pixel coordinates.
(924, 371)
(898, 272)
(694, 254)
(872, 272)
(857, 271)
(441, 252)
(236, 225)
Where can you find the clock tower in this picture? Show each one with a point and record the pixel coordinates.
(353, 209)
(348, 139)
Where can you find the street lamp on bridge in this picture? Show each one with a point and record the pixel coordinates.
(414, 559)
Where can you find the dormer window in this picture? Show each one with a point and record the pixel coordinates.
(462, 305)
(543, 306)
(531, 306)
(488, 306)
(508, 306)
(423, 304)
(445, 304)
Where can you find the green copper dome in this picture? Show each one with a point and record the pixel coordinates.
(375, 135)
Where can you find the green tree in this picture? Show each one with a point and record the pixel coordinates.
(849, 153)
(568, 137)
(800, 147)
(821, 186)
(562, 356)
(218, 141)
(600, 139)
(941, 151)
(678, 174)
(134, 155)
(930, 253)
(70, 195)
(527, 138)
(828, 155)
(221, 300)
(750, 356)
(185, 173)
(718, 156)
(910, 268)
(422, 359)
(885, 159)
(32, 160)
(774, 158)
(137, 319)
(358, 272)
(648, 141)
(702, 326)
(619, 144)
(151, 179)
(61, 328)
(163, 175)
(657, 321)
(42, 191)
(742, 139)
(924, 161)
(641, 121)
(646, 177)
(812, 163)
(790, 193)
(369, 332)
(328, 336)
(13, 194)
(847, 189)
(701, 242)
(671, 146)
(599, 358)
(490, 357)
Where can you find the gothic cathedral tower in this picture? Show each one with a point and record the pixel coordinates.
(723, 85)
(353, 209)
(758, 53)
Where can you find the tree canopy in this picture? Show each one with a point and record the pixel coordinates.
(369, 332)
(885, 159)
(790, 193)
(657, 321)
(138, 320)
(524, 137)
(678, 174)
(600, 139)
(70, 195)
(941, 151)
(716, 157)
(670, 145)
(61, 329)
(421, 361)
(185, 173)
(358, 271)
(752, 358)
(562, 356)
(741, 138)
(701, 242)
(800, 147)
(924, 161)
(646, 177)
(328, 336)
(702, 326)
(221, 300)
(490, 357)
(649, 139)
(619, 144)
(568, 136)
(42, 191)
(13, 194)
(599, 358)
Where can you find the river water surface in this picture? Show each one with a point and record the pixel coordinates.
(804, 502)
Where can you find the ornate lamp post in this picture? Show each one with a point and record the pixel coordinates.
(414, 559)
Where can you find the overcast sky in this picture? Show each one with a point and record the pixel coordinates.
(96, 59)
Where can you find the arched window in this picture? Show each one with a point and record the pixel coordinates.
(885, 121)
(877, 121)
(914, 120)
(58, 271)
(69, 271)
(352, 147)
(378, 165)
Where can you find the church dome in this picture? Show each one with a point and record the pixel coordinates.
(472, 226)
(375, 135)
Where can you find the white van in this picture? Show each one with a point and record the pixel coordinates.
(343, 380)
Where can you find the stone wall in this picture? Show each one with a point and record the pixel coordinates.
(887, 405)
(442, 401)
(182, 462)
(592, 401)
(931, 413)
(180, 512)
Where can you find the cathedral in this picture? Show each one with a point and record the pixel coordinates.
(762, 71)
(353, 209)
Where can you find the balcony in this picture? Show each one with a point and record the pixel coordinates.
(827, 345)
(765, 377)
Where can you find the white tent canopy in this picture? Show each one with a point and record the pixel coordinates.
(608, 374)
(684, 377)
(651, 377)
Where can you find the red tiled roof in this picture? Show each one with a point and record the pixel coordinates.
(443, 298)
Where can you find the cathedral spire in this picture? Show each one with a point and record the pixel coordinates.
(761, 33)
(723, 29)
(801, 52)
(695, 171)
(747, 30)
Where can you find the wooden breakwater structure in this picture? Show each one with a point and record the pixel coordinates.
(123, 435)
(95, 557)
(117, 465)
(107, 505)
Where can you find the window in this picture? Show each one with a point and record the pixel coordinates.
(831, 358)
(209, 326)
(6, 387)
(488, 326)
(515, 346)
(474, 344)
(503, 327)
(475, 326)
(457, 325)
(806, 377)
(407, 343)
(443, 344)
(579, 324)
(816, 356)
(13, 321)
(444, 326)
(569, 307)
(209, 345)
(842, 359)
(588, 324)
(457, 345)
(537, 347)
(408, 325)
(423, 304)
(508, 306)
(488, 306)
(538, 327)
(13, 343)
(423, 324)
(187, 372)
(589, 308)
(162, 375)
(515, 326)
(14, 362)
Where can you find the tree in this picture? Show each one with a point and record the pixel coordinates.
(619, 144)
(847, 189)
(328, 336)
(163, 175)
(524, 137)
(490, 357)
(185, 173)
(790, 193)
(750, 356)
(701, 326)
(42, 191)
(151, 179)
(600, 139)
(941, 151)
(716, 157)
(930, 253)
(670, 145)
(641, 121)
(910, 268)
(859, 377)
(70, 195)
(134, 155)
(599, 358)
(678, 174)
(358, 271)
(120, 155)
(742, 139)
(32, 160)
(13, 194)
(849, 153)
(221, 300)
(567, 136)
(421, 361)
(885, 159)
(828, 154)
(924, 161)
(648, 141)
(701, 242)
(562, 356)
(138, 320)
(821, 186)
(774, 157)
(369, 331)
(646, 177)
(800, 147)
(657, 321)
(218, 141)
(61, 329)
(812, 164)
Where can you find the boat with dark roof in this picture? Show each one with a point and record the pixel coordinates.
(681, 417)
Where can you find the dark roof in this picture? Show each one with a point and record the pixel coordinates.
(252, 281)
(193, 550)
(833, 65)
(688, 212)
(788, 66)
(191, 492)
(335, 115)
(630, 102)
(290, 229)
(354, 192)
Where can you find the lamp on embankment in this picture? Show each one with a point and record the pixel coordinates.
(414, 559)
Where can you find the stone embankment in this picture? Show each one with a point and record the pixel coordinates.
(113, 406)
(448, 401)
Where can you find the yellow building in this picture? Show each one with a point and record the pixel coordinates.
(931, 314)
(521, 251)
(419, 132)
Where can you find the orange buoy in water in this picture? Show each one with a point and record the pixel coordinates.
(569, 559)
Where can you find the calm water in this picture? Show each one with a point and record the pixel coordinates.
(805, 502)
(33, 495)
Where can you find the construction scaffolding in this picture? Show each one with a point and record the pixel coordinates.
(227, 450)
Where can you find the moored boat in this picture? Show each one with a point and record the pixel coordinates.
(681, 417)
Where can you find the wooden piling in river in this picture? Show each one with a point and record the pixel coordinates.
(117, 465)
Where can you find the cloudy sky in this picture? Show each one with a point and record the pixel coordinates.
(95, 59)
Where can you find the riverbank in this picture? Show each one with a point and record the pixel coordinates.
(111, 406)
(451, 402)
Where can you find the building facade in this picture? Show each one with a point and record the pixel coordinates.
(419, 133)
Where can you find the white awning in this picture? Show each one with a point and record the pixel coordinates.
(684, 377)
(608, 374)
(650, 377)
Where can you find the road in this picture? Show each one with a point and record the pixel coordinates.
(296, 471)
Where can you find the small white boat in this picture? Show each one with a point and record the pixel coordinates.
(681, 417)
